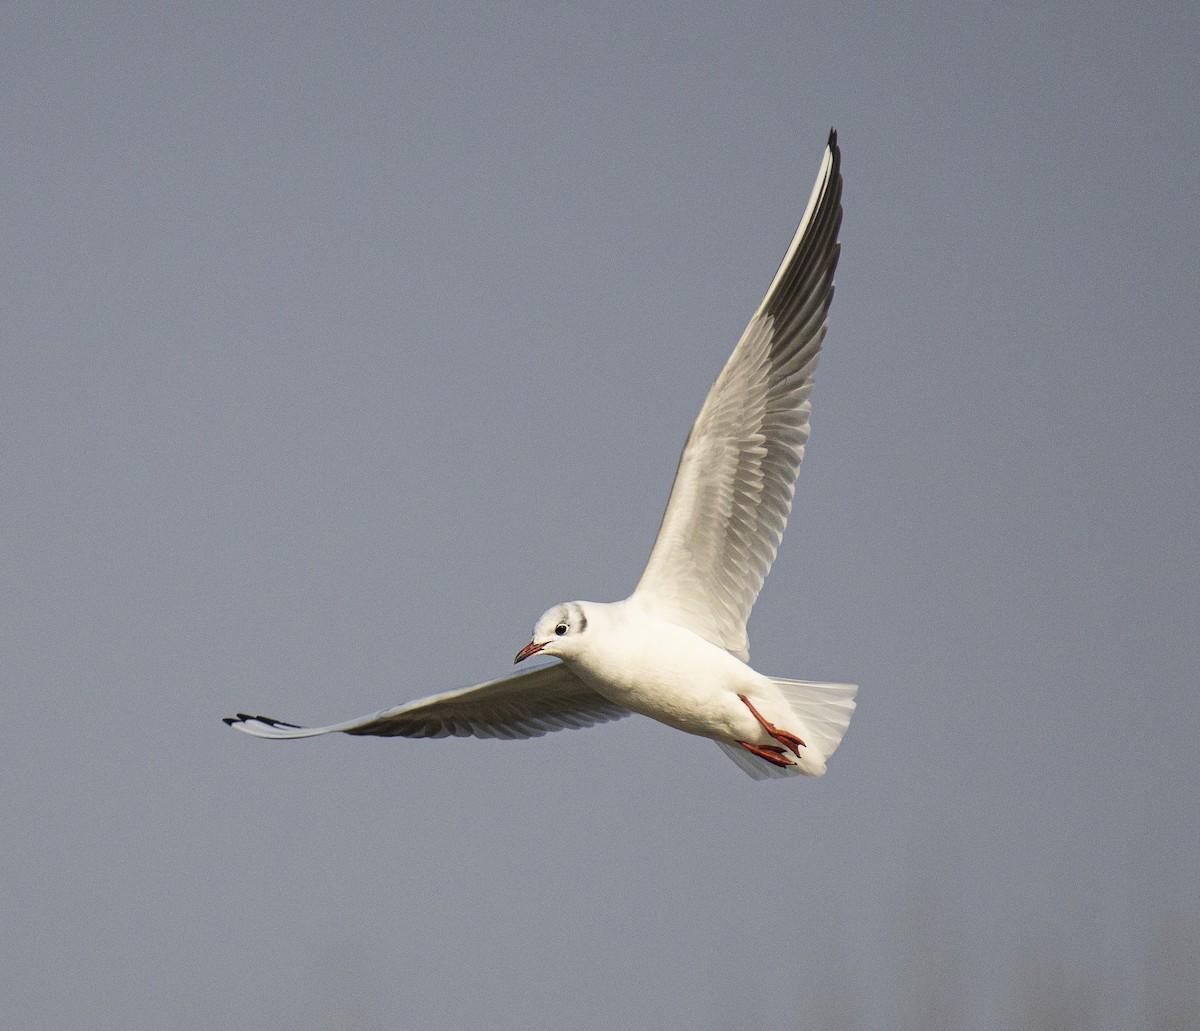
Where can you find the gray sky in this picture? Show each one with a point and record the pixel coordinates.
(341, 340)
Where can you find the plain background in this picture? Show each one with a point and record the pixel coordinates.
(341, 340)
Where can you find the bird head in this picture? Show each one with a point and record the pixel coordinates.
(558, 632)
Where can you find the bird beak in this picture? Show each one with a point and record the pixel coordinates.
(532, 648)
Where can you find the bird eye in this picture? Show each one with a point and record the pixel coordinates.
(560, 629)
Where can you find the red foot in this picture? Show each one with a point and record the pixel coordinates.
(782, 736)
(772, 753)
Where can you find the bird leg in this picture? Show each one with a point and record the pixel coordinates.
(772, 753)
(782, 736)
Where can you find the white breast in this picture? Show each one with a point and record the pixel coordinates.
(670, 674)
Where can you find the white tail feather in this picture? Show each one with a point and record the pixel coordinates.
(823, 711)
(758, 768)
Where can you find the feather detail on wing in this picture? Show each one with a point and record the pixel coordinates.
(733, 489)
(527, 704)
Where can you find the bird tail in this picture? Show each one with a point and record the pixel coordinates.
(823, 710)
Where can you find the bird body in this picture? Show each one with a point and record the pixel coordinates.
(667, 672)
(676, 649)
(635, 659)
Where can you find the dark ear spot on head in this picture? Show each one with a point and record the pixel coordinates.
(574, 617)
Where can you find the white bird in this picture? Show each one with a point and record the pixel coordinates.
(676, 649)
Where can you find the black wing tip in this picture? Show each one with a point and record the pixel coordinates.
(242, 717)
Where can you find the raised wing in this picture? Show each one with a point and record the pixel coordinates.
(733, 489)
(527, 704)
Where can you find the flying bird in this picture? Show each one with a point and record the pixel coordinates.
(676, 649)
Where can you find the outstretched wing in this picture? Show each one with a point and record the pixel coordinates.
(527, 704)
(733, 490)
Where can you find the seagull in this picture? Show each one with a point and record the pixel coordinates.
(676, 649)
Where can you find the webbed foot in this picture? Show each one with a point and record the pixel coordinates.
(782, 736)
(772, 753)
